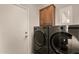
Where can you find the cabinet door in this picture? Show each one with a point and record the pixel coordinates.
(47, 16)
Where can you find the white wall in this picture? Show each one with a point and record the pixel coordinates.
(75, 13)
(57, 16)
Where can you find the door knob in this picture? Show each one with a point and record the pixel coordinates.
(25, 32)
(26, 36)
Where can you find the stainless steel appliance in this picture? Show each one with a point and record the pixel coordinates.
(58, 39)
(40, 40)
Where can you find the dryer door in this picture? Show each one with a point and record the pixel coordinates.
(59, 41)
(39, 41)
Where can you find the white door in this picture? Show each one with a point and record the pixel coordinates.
(13, 29)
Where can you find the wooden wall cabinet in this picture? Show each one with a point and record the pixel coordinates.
(47, 16)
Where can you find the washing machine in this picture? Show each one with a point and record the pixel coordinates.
(64, 39)
(58, 40)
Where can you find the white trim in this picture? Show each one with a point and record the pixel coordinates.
(20, 5)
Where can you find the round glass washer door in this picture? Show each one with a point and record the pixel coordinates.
(59, 41)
